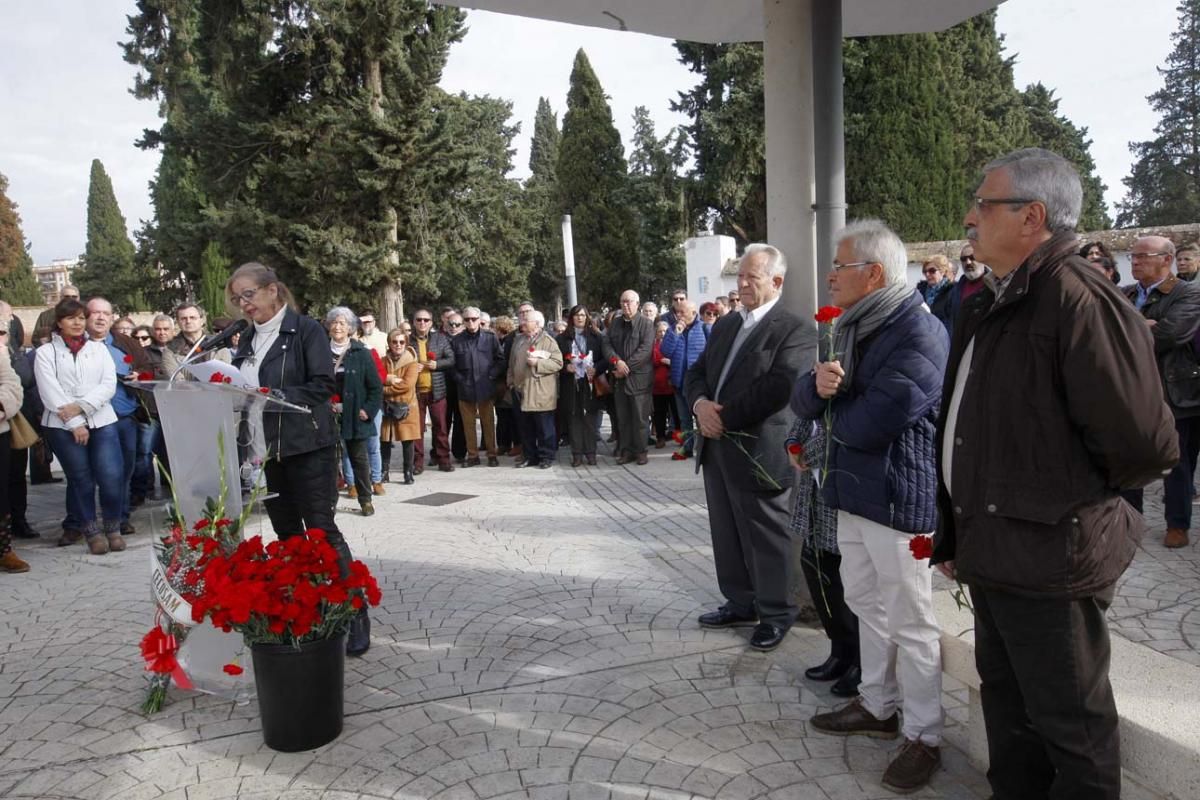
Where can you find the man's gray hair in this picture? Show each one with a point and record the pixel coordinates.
(1038, 174)
(776, 261)
(872, 241)
(343, 313)
(537, 318)
(470, 311)
(163, 318)
(484, 316)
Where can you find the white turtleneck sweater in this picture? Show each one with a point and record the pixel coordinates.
(265, 334)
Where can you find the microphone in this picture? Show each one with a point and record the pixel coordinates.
(221, 339)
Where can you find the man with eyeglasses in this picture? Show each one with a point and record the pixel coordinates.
(452, 326)
(435, 359)
(1171, 307)
(735, 300)
(477, 367)
(1052, 405)
(191, 320)
(970, 283)
(631, 340)
(678, 298)
(369, 335)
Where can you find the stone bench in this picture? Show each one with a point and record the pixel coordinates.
(1158, 699)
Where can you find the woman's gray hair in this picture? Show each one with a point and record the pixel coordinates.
(873, 242)
(776, 262)
(538, 316)
(344, 314)
(1038, 174)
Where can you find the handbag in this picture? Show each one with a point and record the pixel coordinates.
(601, 386)
(23, 436)
(396, 411)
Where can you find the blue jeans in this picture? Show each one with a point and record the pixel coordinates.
(97, 464)
(374, 458)
(127, 433)
(143, 468)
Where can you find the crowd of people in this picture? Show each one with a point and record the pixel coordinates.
(968, 423)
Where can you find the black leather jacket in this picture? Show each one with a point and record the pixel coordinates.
(300, 366)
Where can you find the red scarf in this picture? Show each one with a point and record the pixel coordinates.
(74, 343)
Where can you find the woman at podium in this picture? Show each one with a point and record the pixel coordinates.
(289, 354)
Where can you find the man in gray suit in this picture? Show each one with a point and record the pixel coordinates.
(631, 340)
(739, 390)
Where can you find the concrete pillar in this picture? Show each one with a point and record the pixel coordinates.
(829, 129)
(788, 95)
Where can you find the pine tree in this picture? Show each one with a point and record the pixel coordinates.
(107, 265)
(592, 185)
(18, 287)
(1164, 182)
(658, 196)
(546, 274)
(1051, 130)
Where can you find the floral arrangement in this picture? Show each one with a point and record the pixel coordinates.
(286, 592)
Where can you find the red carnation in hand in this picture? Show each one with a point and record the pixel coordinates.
(828, 313)
(264, 390)
(145, 376)
(232, 669)
(533, 349)
(337, 398)
(795, 449)
(614, 360)
(921, 546)
(128, 359)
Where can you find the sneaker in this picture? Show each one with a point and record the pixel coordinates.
(912, 767)
(115, 543)
(852, 719)
(11, 562)
(97, 545)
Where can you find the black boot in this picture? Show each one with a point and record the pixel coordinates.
(359, 640)
(407, 449)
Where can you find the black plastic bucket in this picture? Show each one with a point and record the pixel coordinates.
(300, 692)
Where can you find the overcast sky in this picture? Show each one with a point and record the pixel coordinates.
(64, 96)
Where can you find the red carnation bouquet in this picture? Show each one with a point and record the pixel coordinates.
(285, 592)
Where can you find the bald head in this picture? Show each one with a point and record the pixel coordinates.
(1152, 258)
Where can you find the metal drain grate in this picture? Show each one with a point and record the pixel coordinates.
(440, 499)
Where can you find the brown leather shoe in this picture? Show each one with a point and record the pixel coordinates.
(115, 543)
(472, 462)
(853, 719)
(97, 544)
(377, 488)
(642, 459)
(352, 492)
(11, 562)
(1176, 537)
(912, 767)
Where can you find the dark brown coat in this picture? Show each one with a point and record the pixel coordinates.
(1061, 409)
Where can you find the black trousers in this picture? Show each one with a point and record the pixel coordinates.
(664, 411)
(579, 407)
(356, 449)
(506, 430)
(307, 487)
(458, 438)
(1048, 706)
(18, 490)
(821, 573)
(633, 410)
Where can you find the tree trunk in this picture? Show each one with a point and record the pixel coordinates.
(391, 310)
(393, 294)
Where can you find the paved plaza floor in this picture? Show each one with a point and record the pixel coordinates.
(536, 640)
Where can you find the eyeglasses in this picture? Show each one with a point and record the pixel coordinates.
(839, 267)
(244, 297)
(469, 319)
(680, 298)
(1140, 256)
(423, 319)
(367, 321)
(933, 271)
(142, 337)
(980, 202)
(455, 324)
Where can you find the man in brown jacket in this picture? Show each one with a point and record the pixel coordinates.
(1052, 406)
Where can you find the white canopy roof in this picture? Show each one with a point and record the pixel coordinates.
(734, 20)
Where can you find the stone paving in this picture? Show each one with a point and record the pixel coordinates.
(536, 641)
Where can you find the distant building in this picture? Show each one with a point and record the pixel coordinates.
(711, 266)
(53, 277)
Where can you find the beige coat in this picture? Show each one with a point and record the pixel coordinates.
(405, 391)
(538, 384)
(11, 393)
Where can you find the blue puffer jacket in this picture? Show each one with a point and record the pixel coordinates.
(683, 349)
(881, 461)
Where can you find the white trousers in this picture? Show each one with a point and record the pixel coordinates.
(890, 593)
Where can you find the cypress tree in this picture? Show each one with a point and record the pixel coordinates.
(1164, 183)
(18, 287)
(657, 195)
(546, 274)
(592, 183)
(107, 266)
(214, 274)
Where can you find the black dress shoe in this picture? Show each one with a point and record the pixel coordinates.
(22, 530)
(847, 685)
(724, 618)
(767, 636)
(359, 639)
(831, 670)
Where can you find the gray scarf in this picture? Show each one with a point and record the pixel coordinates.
(860, 321)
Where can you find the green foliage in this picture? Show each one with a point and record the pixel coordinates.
(923, 114)
(106, 267)
(547, 272)
(592, 187)
(214, 274)
(1049, 129)
(657, 194)
(18, 287)
(1164, 183)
